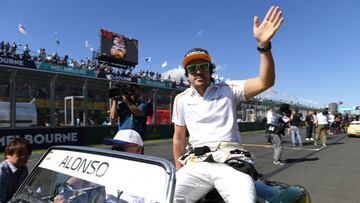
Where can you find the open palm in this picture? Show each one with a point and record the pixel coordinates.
(271, 23)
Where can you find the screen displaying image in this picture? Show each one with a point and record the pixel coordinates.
(117, 48)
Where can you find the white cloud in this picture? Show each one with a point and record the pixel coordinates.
(218, 68)
(163, 65)
(175, 73)
(221, 67)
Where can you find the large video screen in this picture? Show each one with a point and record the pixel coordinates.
(118, 49)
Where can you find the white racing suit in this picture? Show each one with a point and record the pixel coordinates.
(216, 165)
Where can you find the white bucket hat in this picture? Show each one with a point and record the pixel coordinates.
(125, 137)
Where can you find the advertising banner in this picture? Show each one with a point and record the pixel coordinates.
(65, 69)
(121, 78)
(44, 137)
(155, 83)
(9, 61)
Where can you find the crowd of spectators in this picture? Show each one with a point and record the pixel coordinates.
(10, 50)
(102, 70)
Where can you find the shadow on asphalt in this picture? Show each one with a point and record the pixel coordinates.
(335, 143)
(312, 143)
(289, 161)
(307, 143)
(331, 138)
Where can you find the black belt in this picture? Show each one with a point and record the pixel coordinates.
(239, 151)
(198, 151)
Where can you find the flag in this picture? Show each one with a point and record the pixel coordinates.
(57, 41)
(164, 64)
(87, 44)
(22, 29)
(148, 60)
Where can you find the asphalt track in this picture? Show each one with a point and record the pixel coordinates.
(330, 174)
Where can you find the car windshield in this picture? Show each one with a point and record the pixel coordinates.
(49, 186)
(83, 177)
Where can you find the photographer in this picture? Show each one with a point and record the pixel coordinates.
(276, 128)
(128, 108)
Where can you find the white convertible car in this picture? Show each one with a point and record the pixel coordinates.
(81, 174)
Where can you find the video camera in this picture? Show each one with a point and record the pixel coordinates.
(120, 89)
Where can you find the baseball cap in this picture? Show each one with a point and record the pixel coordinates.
(194, 54)
(125, 137)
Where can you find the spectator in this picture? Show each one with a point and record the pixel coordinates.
(65, 60)
(276, 128)
(2, 48)
(7, 48)
(26, 54)
(309, 122)
(295, 120)
(337, 123)
(129, 110)
(331, 123)
(47, 121)
(71, 63)
(107, 120)
(127, 141)
(42, 55)
(101, 72)
(13, 50)
(269, 118)
(55, 58)
(82, 64)
(322, 127)
(13, 170)
(344, 122)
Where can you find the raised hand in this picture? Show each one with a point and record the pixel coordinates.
(268, 26)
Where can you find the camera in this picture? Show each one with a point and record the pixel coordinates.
(120, 89)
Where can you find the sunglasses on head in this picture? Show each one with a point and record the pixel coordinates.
(191, 68)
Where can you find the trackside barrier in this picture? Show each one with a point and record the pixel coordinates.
(43, 138)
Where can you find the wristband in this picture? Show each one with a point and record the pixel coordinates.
(265, 49)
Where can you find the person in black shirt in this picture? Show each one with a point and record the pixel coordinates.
(2, 47)
(294, 127)
(13, 170)
(7, 48)
(309, 122)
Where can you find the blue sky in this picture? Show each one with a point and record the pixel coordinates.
(316, 50)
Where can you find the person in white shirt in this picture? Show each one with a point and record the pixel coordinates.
(322, 127)
(331, 123)
(269, 117)
(208, 111)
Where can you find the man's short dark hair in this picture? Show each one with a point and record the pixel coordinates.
(285, 108)
(19, 146)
